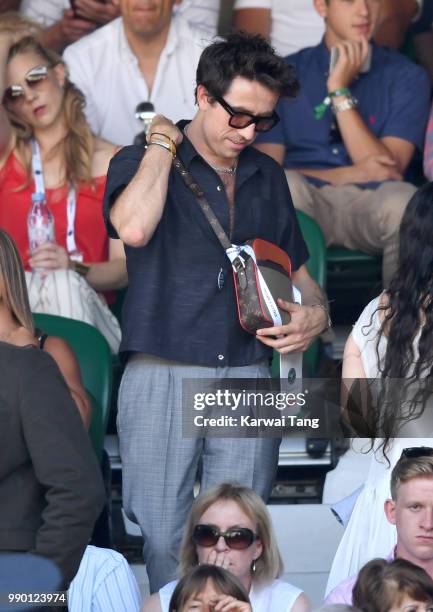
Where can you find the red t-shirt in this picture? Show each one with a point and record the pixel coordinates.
(15, 203)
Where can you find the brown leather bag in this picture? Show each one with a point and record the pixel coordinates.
(261, 270)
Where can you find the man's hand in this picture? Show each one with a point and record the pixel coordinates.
(69, 29)
(97, 12)
(162, 125)
(376, 168)
(306, 323)
(351, 56)
(50, 256)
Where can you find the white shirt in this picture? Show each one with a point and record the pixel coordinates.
(295, 24)
(104, 583)
(201, 13)
(106, 70)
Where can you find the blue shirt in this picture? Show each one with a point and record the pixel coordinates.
(393, 101)
(174, 308)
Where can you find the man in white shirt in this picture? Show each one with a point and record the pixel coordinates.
(64, 26)
(146, 55)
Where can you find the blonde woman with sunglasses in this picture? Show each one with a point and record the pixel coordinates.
(42, 126)
(230, 527)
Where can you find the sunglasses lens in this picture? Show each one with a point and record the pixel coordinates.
(240, 121)
(36, 76)
(205, 535)
(239, 539)
(12, 93)
(264, 124)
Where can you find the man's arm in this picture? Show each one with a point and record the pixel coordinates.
(137, 211)
(307, 321)
(64, 463)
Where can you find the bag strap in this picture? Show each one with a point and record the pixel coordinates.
(190, 182)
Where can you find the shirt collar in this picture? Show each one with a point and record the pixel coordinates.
(247, 163)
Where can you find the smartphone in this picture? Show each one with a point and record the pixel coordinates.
(334, 59)
(74, 8)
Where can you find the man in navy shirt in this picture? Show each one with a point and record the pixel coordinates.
(349, 137)
(180, 317)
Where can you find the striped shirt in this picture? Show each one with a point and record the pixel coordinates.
(104, 583)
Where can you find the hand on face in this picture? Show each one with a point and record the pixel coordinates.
(218, 558)
(227, 603)
(98, 12)
(49, 257)
(351, 56)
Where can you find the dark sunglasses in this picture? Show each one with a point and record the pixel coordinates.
(238, 538)
(242, 119)
(33, 78)
(417, 451)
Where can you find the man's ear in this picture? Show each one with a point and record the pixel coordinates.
(321, 7)
(202, 97)
(389, 508)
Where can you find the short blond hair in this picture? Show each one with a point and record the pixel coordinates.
(269, 565)
(408, 468)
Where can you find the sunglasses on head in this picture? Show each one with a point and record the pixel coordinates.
(33, 78)
(237, 538)
(417, 451)
(242, 119)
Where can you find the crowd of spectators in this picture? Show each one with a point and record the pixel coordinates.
(341, 128)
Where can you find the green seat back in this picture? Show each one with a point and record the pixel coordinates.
(94, 357)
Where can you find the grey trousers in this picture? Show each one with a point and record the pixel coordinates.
(364, 219)
(160, 466)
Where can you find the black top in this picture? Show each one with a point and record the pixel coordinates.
(51, 489)
(174, 307)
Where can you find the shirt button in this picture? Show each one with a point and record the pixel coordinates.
(219, 188)
(335, 151)
(220, 357)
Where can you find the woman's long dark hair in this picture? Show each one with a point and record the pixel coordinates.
(407, 373)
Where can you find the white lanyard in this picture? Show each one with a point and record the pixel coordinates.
(71, 201)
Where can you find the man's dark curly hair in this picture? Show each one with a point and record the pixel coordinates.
(249, 56)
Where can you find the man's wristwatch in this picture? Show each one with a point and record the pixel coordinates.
(347, 104)
(326, 311)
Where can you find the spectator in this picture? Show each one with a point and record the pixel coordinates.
(395, 20)
(396, 586)
(392, 341)
(290, 25)
(50, 483)
(207, 586)
(17, 327)
(230, 527)
(183, 293)
(422, 33)
(43, 123)
(146, 55)
(346, 167)
(410, 509)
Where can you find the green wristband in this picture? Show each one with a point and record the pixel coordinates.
(321, 108)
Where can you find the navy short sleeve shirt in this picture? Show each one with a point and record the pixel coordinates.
(175, 308)
(393, 97)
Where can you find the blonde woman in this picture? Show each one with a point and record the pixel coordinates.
(17, 327)
(229, 526)
(46, 145)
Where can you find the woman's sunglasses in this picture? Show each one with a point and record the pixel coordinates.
(238, 538)
(33, 78)
(242, 119)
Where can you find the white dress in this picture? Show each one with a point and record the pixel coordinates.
(279, 596)
(368, 533)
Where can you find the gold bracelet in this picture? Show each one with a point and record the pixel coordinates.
(80, 268)
(172, 143)
(165, 145)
